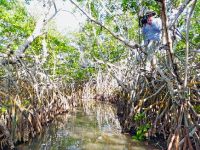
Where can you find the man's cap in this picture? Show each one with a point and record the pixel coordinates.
(150, 12)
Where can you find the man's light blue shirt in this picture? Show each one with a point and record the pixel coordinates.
(153, 31)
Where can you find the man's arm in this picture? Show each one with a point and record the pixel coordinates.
(157, 24)
(144, 31)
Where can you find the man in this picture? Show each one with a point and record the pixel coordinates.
(151, 29)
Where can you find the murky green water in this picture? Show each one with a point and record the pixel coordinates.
(93, 127)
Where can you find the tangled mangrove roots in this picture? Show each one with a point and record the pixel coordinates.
(176, 119)
(29, 101)
(155, 99)
(5, 138)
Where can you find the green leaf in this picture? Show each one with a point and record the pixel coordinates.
(93, 10)
(3, 109)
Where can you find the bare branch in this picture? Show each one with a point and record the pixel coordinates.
(190, 134)
(127, 43)
(196, 51)
(154, 93)
(187, 43)
(55, 7)
(181, 9)
(172, 63)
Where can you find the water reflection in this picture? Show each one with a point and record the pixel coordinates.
(92, 127)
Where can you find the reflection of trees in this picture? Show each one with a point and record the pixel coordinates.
(105, 115)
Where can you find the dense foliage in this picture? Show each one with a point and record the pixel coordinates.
(40, 66)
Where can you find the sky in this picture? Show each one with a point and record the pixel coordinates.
(66, 21)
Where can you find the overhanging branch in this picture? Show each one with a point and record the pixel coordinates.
(127, 43)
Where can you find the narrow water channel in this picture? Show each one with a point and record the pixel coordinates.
(93, 127)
